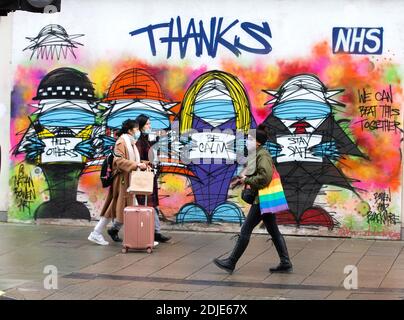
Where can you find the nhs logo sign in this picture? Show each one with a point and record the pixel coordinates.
(357, 40)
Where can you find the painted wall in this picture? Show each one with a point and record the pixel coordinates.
(327, 87)
(5, 89)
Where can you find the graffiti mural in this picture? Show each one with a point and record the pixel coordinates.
(215, 100)
(24, 189)
(305, 140)
(56, 140)
(331, 106)
(53, 42)
(135, 92)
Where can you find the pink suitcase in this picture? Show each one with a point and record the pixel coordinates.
(138, 228)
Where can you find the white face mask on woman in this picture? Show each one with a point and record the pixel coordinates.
(136, 135)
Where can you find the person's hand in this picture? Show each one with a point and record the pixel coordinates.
(242, 179)
(235, 182)
(142, 166)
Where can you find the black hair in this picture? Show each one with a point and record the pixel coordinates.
(127, 125)
(142, 120)
(261, 135)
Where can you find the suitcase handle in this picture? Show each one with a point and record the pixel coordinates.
(135, 203)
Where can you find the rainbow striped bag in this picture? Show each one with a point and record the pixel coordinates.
(272, 198)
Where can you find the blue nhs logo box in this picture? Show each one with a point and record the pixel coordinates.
(357, 40)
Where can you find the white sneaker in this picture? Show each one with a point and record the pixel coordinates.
(155, 244)
(98, 239)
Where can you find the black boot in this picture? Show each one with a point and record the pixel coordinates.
(114, 234)
(285, 266)
(229, 264)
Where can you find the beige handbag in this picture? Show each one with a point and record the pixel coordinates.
(141, 182)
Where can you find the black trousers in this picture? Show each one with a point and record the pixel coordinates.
(254, 217)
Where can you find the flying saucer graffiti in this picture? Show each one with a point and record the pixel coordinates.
(53, 42)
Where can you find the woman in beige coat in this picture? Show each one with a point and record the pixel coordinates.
(125, 160)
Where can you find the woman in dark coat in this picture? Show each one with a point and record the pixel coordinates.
(144, 145)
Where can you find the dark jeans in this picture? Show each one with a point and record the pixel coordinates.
(254, 217)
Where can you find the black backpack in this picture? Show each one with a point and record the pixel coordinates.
(106, 175)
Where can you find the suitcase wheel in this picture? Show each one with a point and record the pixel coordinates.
(124, 250)
(149, 250)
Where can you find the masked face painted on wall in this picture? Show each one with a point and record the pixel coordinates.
(132, 93)
(57, 140)
(306, 141)
(216, 101)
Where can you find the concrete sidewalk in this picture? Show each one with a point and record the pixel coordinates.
(183, 269)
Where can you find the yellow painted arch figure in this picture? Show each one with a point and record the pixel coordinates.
(237, 94)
